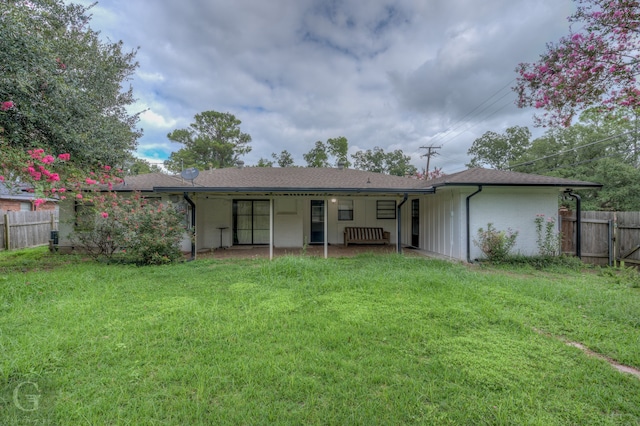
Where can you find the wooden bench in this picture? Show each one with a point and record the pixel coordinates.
(365, 235)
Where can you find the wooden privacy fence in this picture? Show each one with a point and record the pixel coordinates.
(26, 229)
(607, 238)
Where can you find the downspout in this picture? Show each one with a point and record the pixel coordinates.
(399, 216)
(578, 222)
(469, 224)
(193, 225)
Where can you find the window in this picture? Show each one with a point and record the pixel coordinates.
(345, 209)
(85, 216)
(386, 209)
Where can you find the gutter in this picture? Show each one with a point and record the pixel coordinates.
(541, 185)
(275, 190)
(469, 224)
(578, 221)
(193, 225)
(399, 216)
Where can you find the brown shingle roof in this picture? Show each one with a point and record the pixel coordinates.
(148, 181)
(295, 179)
(480, 176)
(301, 179)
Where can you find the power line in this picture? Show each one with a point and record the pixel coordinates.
(431, 152)
(528, 163)
(564, 166)
(476, 124)
(463, 121)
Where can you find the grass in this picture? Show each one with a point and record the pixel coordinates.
(298, 340)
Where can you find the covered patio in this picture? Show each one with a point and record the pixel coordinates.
(334, 250)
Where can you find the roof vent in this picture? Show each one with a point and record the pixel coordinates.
(341, 164)
(240, 164)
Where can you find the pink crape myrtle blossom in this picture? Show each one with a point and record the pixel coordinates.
(6, 106)
(48, 175)
(48, 159)
(596, 65)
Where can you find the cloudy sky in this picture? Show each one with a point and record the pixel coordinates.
(397, 74)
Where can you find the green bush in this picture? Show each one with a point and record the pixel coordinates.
(496, 245)
(131, 229)
(548, 240)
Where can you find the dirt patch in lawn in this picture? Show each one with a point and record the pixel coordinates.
(620, 367)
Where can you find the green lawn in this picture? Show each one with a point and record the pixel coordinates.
(299, 340)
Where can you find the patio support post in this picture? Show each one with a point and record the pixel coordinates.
(399, 223)
(271, 228)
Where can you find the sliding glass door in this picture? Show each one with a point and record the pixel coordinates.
(250, 222)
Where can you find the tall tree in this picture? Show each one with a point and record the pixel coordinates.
(284, 159)
(598, 149)
(499, 150)
(332, 153)
(62, 87)
(317, 156)
(391, 163)
(138, 166)
(371, 160)
(595, 65)
(338, 148)
(214, 140)
(263, 162)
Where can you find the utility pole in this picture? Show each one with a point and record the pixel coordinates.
(431, 152)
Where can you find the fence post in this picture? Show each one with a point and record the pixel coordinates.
(7, 233)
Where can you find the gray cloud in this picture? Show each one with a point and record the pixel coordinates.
(395, 74)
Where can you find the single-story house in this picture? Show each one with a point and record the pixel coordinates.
(295, 206)
(18, 198)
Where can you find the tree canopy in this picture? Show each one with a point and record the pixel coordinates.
(595, 65)
(214, 140)
(332, 153)
(600, 148)
(284, 159)
(62, 87)
(391, 163)
(138, 166)
(317, 156)
(499, 150)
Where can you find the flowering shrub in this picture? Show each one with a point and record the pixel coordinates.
(496, 245)
(131, 228)
(595, 65)
(548, 240)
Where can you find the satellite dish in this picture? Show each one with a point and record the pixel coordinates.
(190, 174)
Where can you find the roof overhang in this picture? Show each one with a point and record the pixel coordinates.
(298, 191)
(528, 185)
